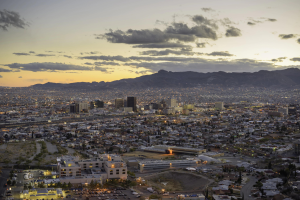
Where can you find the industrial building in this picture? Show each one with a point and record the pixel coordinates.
(174, 149)
(166, 164)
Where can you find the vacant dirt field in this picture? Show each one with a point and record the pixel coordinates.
(178, 181)
(12, 152)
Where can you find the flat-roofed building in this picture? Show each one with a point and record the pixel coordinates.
(104, 167)
(119, 103)
(166, 164)
(174, 149)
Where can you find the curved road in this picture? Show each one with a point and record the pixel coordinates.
(246, 190)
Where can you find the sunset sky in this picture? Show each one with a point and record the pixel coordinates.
(93, 40)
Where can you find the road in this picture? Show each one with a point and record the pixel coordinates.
(246, 190)
(38, 150)
(12, 125)
(3, 179)
(51, 148)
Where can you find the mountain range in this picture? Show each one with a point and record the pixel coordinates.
(287, 78)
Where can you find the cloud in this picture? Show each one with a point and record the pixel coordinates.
(287, 36)
(107, 58)
(67, 56)
(22, 54)
(20, 77)
(172, 59)
(201, 45)
(31, 52)
(207, 9)
(177, 31)
(142, 72)
(233, 32)
(106, 63)
(5, 70)
(280, 59)
(161, 22)
(11, 18)
(1, 76)
(220, 53)
(295, 59)
(238, 65)
(183, 51)
(251, 23)
(200, 20)
(271, 20)
(91, 52)
(161, 45)
(44, 55)
(102, 69)
(201, 31)
(47, 66)
(226, 22)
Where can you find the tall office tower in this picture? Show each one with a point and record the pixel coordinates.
(131, 102)
(119, 103)
(171, 103)
(99, 104)
(219, 105)
(83, 107)
(74, 108)
(154, 105)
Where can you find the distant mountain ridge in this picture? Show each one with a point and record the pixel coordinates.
(165, 79)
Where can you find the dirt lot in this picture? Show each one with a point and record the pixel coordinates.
(17, 151)
(28, 153)
(178, 181)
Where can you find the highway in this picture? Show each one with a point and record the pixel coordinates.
(11, 125)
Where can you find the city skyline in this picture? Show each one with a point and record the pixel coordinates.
(75, 41)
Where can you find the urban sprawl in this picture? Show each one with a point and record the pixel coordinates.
(171, 143)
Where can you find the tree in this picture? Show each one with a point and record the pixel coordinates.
(64, 185)
(270, 165)
(69, 185)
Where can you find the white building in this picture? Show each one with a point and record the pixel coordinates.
(219, 105)
(171, 103)
(76, 171)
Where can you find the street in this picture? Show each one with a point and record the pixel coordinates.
(3, 179)
(246, 190)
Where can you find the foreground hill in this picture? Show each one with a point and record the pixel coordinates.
(287, 78)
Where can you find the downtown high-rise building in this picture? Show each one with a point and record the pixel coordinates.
(119, 103)
(131, 102)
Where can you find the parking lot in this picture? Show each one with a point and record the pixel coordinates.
(102, 194)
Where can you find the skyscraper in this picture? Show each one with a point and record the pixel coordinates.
(171, 103)
(74, 108)
(119, 103)
(131, 102)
